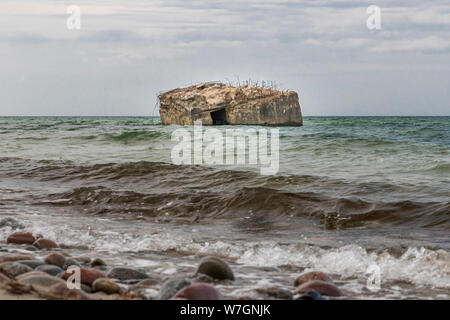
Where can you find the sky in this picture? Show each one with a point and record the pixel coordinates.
(127, 51)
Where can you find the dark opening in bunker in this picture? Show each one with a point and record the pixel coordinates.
(219, 117)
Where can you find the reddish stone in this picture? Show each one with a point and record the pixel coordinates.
(313, 275)
(323, 287)
(61, 291)
(45, 244)
(14, 257)
(87, 275)
(21, 238)
(56, 259)
(199, 291)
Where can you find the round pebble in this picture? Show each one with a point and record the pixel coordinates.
(215, 268)
(323, 287)
(310, 295)
(56, 259)
(45, 244)
(127, 274)
(14, 257)
(199, 291)
(98, 263)
(32, 263)
(105, 285)
(171, 287)
(50, 269)
(21, 238)
(41, 280)
(14, 269)
(30, 274)
(87, 275)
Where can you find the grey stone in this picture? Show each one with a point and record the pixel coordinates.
(310, 295)
(32, 263)
(127, 274)
(171, 287)
(50, 269)
(14, 269)
(215, 268)
(41, 280)
(97, 262)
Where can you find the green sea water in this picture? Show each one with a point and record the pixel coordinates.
(350, 193)
(378, 158)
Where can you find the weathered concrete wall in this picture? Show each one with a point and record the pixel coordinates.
(242, 105)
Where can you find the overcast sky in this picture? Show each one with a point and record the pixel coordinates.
(128, 51)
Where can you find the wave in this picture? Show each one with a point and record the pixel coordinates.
(170, 191)
(33, 138)
(391, 139)
(441, 168)
(128, 137)
(259, 206)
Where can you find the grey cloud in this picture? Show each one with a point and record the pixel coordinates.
(321, 48)
(114, 36)
(26, 38)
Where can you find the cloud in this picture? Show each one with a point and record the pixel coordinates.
(113, 36)
(439, 15)
(140, 47)
(339, 43)
(25, 38)
(54, 8)
(431, 43)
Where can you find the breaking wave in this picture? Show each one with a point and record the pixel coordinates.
(170, 191)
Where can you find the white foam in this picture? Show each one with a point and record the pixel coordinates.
(419, 266)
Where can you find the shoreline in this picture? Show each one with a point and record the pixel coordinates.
(254, 283)
(24, 275)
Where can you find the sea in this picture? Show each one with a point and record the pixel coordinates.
(360, 198)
